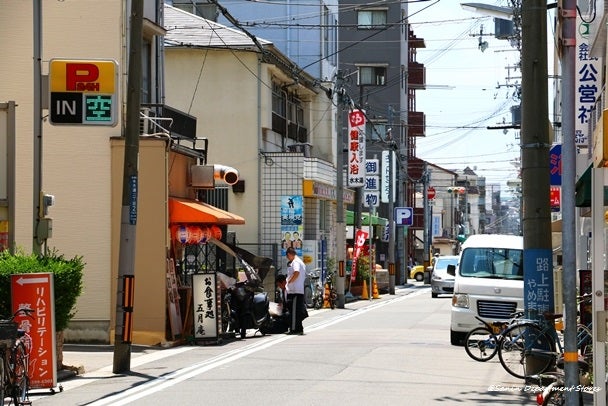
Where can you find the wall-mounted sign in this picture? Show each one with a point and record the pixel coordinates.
(356, 149)
(83, 92)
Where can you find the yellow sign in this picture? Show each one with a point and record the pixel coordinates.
(82, 76)
(83, 92)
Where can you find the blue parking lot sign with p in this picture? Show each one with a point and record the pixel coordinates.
(404, 216)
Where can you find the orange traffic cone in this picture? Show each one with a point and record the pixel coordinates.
(375, 294)
(326, 297)
(364, 293)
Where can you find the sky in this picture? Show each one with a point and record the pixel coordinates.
(467, 91)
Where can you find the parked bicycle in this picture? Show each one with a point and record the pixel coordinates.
(482, 342)
(313, 290)
(531, 347)
(331, 290)
(14, 354)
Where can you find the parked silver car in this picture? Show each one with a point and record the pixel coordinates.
(441, 282)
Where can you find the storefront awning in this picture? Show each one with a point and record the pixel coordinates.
(185, 211)
(376, 221)
(583, 190)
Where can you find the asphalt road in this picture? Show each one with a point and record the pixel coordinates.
(393, 350)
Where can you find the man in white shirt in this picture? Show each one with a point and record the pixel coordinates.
(296, 273)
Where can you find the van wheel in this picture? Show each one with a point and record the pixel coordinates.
(457, 338)
(419, 277)
(434, 295)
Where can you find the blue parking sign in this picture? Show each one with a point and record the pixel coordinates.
(404, 216)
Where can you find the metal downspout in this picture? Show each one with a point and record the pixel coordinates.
(260, 147)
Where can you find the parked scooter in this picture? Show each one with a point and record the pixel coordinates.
(245, 303)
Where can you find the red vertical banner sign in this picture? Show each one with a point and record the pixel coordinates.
(360, 239)
(36, 291)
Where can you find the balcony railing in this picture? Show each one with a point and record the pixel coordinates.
(416, 75)
(416, 124)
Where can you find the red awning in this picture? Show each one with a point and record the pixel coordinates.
(184, 211)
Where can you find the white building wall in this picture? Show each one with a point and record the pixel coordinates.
(76, 159)
(221, 91)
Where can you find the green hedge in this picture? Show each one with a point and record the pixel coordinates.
(67, 274)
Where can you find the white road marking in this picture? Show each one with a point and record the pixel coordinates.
(174, 378)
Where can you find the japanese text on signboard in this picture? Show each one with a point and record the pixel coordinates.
(371, 193)
(35, 291)
(356, 149)
(538, 281)
(588, 83)
(205, 305)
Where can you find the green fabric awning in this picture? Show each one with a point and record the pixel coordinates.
(376, 221)
(583, 190)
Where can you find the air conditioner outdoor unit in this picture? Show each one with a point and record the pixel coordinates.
(303, 148)
(146, 123)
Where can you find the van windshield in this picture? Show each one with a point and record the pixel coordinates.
(494, 263)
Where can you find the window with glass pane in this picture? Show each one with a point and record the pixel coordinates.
(367, 19)
(372, 75)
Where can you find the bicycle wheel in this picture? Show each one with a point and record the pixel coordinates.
(584, 342)
(308, 296)
(526, 350)
(480, 344)
(21, 383)
(333, 298)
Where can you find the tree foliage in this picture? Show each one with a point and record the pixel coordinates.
(67, 275)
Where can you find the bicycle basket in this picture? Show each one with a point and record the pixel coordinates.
(8, 332)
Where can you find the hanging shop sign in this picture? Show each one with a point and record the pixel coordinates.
(356, 148)
(588, 82)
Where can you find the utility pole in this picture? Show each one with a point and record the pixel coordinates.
(535, 146)
(567, 50)
(340, 224)
(391, 221)
(426, 221)
(125, 286)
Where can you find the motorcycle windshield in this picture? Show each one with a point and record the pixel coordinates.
(248, 260)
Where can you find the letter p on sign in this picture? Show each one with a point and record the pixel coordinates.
(404, 216)
(80, 73)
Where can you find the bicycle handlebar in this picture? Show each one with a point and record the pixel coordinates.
(26, 311)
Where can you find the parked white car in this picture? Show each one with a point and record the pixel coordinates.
(489, 282)
(441, 281)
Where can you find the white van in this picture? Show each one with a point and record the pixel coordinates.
(489, 282)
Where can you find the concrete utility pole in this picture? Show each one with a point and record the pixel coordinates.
(126, 261)
(391, 222)
(535, 142)
(568, 62)
(340, 224)
(535, 145)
